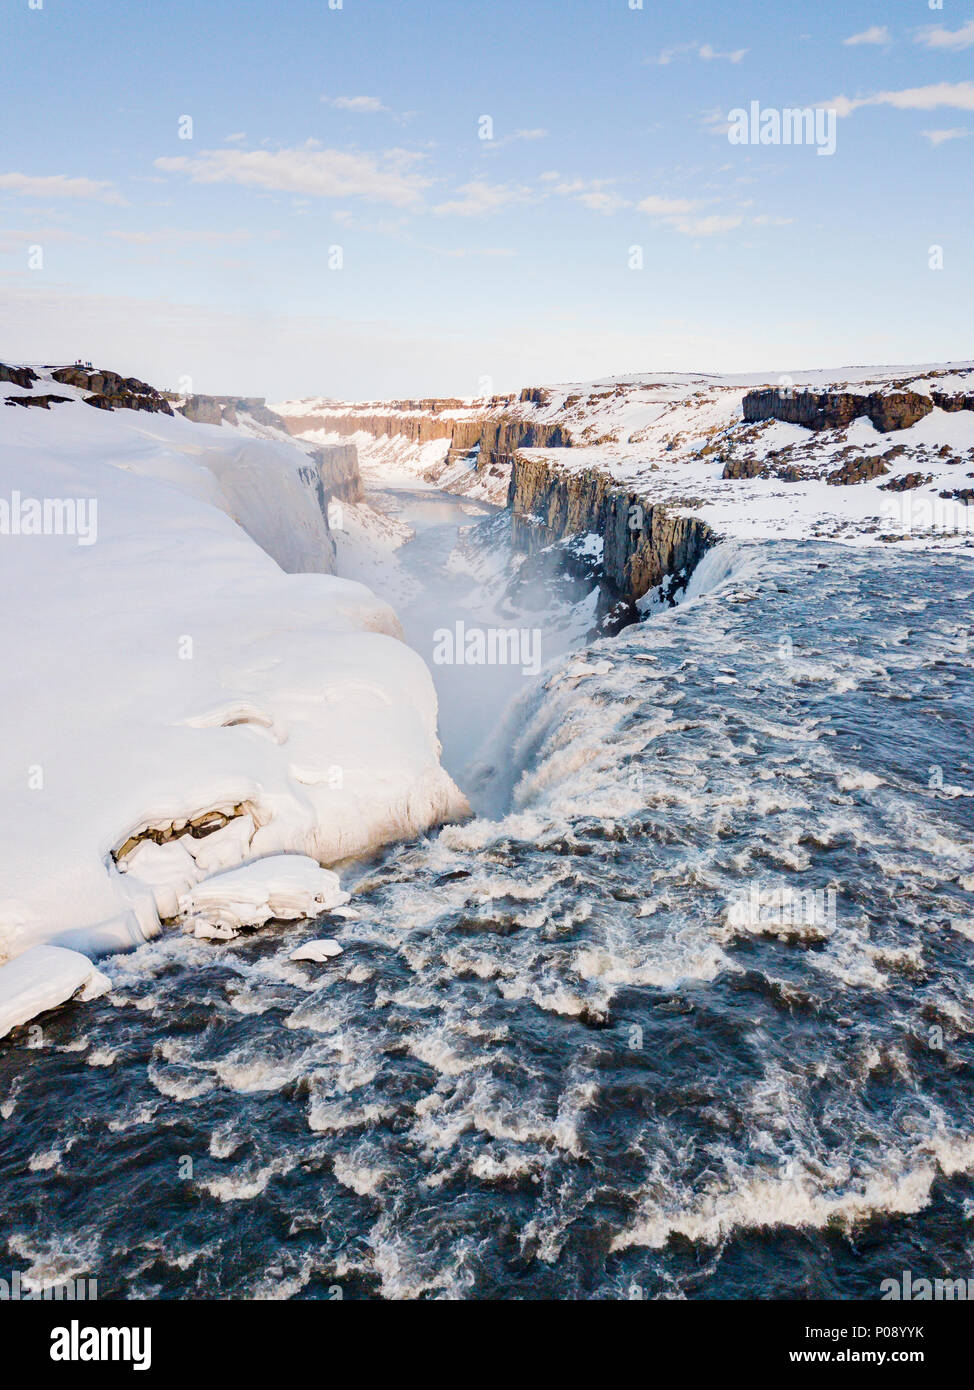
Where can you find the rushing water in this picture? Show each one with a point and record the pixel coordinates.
(557, 1058)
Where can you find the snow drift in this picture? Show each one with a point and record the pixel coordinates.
(181, 677)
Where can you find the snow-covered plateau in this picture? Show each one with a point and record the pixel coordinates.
(864, 454)
(185, 688)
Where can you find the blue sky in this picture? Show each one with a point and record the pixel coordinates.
(469, 263)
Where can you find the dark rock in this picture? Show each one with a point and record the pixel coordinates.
(906, 483)
(857, 471)
(45, 402)
(18, 376)
(644, 542)
(126, 400)
(745, 468)
(826, 410)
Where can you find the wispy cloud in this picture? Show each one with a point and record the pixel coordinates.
(536, 133)
(480, 197)
(183, 236)
(938, 37)
(959, 95)
(940, 137)
(682, 214)
(705, 51)
(595, 194)
(364, 105)
(877, 34)
(321, 173)
(712, 225)
(666, 207)
(59, 186)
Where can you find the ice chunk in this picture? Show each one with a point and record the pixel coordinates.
(42, 978)
(317, 950)
(281, 886)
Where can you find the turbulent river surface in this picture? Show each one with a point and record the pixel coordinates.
(589, 1048)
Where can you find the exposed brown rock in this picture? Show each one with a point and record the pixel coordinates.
(45, 402)
(18, 376)
(826, 410)
(857, 470)
(745, 468)
(906, 483)
(126, 400)
(644, 542)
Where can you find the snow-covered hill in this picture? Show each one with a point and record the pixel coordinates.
(184, 688)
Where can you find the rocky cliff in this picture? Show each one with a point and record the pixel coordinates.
(645, 544)
(226, 410)
(489, 432)
(338, 469)
(829, 410)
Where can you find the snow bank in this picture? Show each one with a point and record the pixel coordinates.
(284, 886)
(166, 669)
(41, 979)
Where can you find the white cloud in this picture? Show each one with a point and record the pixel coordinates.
(705, 51)
(714, 225)
(959, 95)
(601, 200)
(366, 105)
(676, 213)
(383, 178)
(940, 137)
(666, 207)
(480, 197)
(877, 34)
(709, 54)
(595, 194)
(948, 38)
(58, 186)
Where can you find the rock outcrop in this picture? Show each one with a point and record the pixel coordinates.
(219, 410)
(645, 544)
(857, 470)
(129, 400)
(829, 410)
(44, 402)
(111, 391)
(18, 376)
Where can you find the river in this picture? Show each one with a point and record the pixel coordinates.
(593, 1047)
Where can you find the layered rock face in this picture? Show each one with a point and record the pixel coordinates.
(830, 410)
(219, 410)
(338, 470)
(497, 439)
(417, 428)
(493, 429)
(644, 543)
